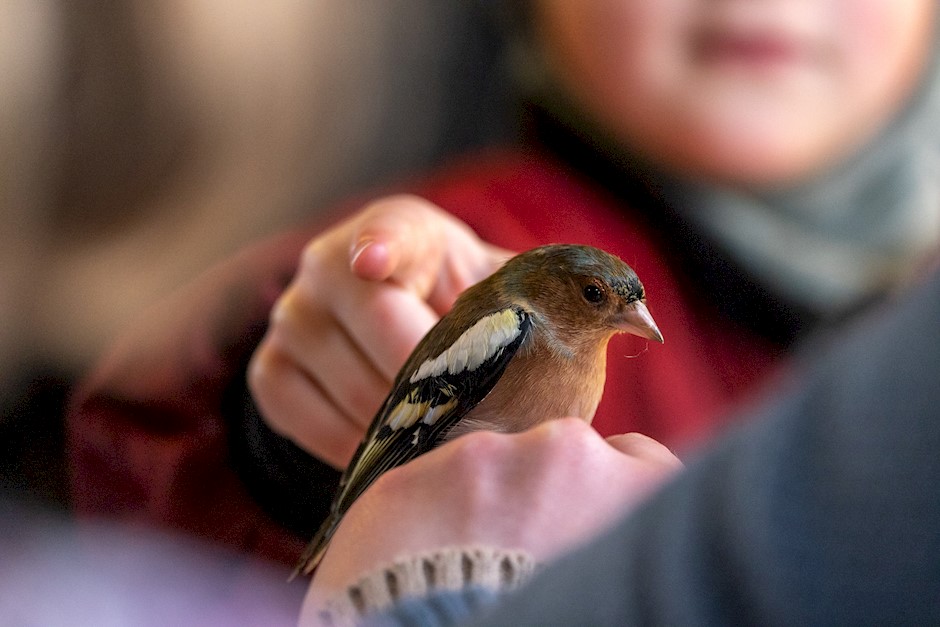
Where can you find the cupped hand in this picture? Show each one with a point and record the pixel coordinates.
(542, 491)
(364, 294)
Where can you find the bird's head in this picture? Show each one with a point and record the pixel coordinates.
(584, 292)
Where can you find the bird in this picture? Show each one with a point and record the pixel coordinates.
(526, 344)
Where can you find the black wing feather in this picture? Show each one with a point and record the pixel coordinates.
(468, 388)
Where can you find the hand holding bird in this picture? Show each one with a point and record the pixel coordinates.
(525, 345)
(365, 292)
(540, 492)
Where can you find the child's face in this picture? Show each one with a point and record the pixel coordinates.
(742, 91)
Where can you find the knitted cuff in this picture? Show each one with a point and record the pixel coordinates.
(452, 568)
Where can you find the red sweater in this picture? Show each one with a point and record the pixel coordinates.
(147, 436)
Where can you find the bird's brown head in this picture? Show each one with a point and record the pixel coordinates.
(586, 293)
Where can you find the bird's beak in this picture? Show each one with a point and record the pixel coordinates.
(636, 319)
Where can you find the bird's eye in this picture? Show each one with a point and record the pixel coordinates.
(593, 294)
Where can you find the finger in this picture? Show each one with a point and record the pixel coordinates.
(322, 349)
(410, 242)
(295, 407)
(371, 258)
(385, 322)
(644, 447)
(401, 239)
(468, 261)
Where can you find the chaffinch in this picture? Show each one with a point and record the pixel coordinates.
(525, 345)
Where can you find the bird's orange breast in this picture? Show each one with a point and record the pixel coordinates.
(539, 385)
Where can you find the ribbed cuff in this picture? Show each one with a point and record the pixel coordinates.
(454, 568)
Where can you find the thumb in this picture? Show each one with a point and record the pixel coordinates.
(415, 244)
(645, 448)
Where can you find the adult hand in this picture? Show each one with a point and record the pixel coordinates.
(364, 294)
(542, 491)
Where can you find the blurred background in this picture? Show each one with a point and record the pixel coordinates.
(141, 142)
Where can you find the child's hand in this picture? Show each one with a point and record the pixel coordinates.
(364, 294)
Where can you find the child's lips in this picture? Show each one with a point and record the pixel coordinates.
(758, 51)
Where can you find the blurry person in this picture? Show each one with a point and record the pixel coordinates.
(767, 168)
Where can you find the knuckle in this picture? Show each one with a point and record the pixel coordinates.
(312, 254)
(473, 452)
(287, 320)
(640, 445)
(396, 202)
(273, 351)
(284, 310)
(265, 376)
(570, 426)
(260, 367)
(568, 439)
(318, 259)
(564, 431)
(638, 440)
(402, 216)
(393, 481)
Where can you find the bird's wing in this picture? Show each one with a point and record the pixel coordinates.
(433, 396)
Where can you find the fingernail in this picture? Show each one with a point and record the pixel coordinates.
(359, 248)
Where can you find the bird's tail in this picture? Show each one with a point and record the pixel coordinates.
(314, 551)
